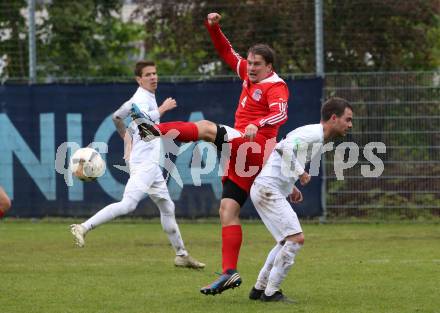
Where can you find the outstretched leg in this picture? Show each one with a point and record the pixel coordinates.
(182, 131)
(188, 131)
(136, 189)
(108, 213)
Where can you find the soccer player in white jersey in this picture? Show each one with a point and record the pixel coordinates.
(277, 181)
(145, 174)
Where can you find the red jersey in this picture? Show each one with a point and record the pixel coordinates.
(263, 104)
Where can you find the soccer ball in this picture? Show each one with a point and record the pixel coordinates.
(87, 164)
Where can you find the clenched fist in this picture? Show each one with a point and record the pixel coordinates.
(213, 18)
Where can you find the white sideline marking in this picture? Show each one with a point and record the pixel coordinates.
(379, 261)
(403, 261)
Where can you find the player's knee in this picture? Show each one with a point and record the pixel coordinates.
(207, 130)
(129, 205)
(5, 204)
(166, 206)
(252, 192)
(229, 215)
(228, 210)
(297, 238)
(254, 195)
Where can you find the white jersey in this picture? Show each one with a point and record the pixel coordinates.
(142, 152)
(287, 161)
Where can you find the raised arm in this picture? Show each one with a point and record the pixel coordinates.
(223, 46)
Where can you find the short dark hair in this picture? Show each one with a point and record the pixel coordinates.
(334, 105)
(140, 66)
(265, 51)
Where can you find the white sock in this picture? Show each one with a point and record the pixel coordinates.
(282, 264)
(169, 225)
(110, 212)
(265, 271)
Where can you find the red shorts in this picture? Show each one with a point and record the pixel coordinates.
(247, 159)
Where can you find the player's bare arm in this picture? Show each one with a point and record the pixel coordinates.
(128, 139)
(213, 18)
(120, 126)
(167, 105)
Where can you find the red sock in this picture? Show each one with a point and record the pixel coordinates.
(1, 214)
(231, 243)
(185, 131)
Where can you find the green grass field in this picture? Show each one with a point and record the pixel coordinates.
(128, 267)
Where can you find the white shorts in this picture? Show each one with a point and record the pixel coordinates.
(146, 180)
(231, 133)
(275, 212)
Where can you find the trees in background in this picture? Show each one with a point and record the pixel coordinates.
(382, 35)
(13, 40)
(378, 35)
(80, 39)
(86, 39)
(89, 38)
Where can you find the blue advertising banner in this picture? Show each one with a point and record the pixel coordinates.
(36, 122)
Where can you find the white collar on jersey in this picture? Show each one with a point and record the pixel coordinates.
(146, 92)
(274, 78)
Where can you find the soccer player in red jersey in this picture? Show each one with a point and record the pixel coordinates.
(261, 110)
